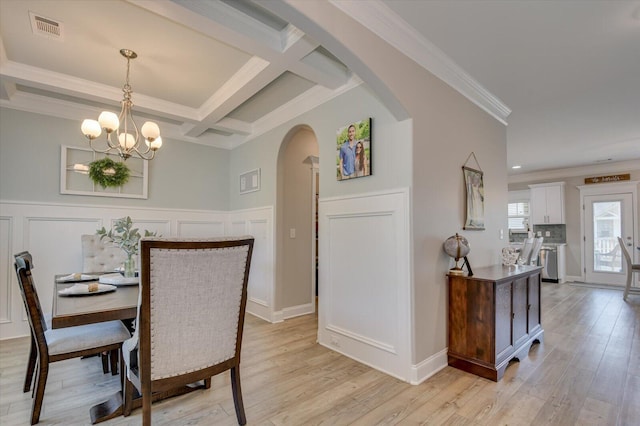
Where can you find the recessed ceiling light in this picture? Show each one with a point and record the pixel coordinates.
(516, 167)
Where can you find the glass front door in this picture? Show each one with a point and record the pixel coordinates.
(607, 218)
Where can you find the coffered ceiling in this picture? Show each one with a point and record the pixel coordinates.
(565, 75)
(214, 73)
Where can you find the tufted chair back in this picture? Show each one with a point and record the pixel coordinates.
(98, 256)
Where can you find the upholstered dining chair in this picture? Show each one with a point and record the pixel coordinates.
(535, 251)
(49, 345)
(99, 256)
(525, 251)
(193, 295)
(631, 267)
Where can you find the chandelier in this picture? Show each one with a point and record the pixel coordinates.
(127, 137)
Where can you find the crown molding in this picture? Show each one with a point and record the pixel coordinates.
(385, 23)
(606, 168)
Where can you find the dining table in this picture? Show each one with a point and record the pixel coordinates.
(89, 308)
(69, 311)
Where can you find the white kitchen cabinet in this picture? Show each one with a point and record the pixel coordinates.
(547, 203)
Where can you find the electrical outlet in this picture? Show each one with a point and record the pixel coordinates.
(335, 342)
(547, 233)
(292, 233)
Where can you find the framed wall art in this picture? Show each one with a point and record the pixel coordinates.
(74, 175)
(250, 181)
(354, 150)
(474, 185)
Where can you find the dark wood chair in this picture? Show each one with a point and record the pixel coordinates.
(48, 345)
(190, 318)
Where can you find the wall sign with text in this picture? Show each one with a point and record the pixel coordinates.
(607, 179)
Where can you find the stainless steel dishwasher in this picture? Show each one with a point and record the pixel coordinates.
(549, 261)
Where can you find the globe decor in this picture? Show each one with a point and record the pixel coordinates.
(457, 247)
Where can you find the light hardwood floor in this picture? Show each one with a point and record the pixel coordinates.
(586, 372)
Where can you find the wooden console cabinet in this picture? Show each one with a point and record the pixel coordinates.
(494, 317)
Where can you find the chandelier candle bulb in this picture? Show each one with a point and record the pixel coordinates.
(127, 140)
(108, 121)
(91, 128)
(150, 131)
(155, 144)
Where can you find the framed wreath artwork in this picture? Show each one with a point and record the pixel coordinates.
(84, 172)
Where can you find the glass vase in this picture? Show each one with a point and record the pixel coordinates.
(130, 267)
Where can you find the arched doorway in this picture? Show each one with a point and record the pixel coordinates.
(295, 287)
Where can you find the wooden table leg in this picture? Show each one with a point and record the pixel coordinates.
(113, 406)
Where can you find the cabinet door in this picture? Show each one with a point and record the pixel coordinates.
(503, 321)
(538, 205)
(534, 303)
(555, 204)
(519, 306)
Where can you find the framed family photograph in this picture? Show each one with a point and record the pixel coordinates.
(354, 150)
(475, 199)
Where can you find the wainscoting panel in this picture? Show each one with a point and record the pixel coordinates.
(54, 243)
(259, 224)
(364, 304)
(51, 232)
(6, 269)
(199, 229)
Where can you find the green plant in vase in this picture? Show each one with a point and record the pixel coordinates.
(123, 236)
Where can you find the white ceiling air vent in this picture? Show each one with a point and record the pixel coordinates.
(46, 27)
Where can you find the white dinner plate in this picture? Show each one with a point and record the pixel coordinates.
(118, 280)
(83, 290)
(76, 278)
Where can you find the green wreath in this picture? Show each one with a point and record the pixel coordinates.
(106, 172)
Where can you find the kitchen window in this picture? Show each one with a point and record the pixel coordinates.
(518, 216)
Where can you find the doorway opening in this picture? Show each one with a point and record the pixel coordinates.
(296, 224)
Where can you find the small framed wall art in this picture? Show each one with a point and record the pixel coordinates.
(250, 181)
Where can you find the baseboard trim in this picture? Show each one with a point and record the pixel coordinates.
(428, 367)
